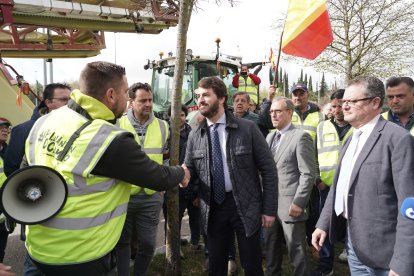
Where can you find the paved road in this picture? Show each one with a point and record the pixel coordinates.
(15, 251)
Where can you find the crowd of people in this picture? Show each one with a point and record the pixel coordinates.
(289, 174)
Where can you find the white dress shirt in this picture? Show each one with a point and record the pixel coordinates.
(366, 132)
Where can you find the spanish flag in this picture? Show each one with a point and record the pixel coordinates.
(307, 29)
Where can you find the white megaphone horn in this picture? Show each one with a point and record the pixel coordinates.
(33, 194)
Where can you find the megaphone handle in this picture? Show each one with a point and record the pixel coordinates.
(22, 232)
(10, 225)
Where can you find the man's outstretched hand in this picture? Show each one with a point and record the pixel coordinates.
(186, 179)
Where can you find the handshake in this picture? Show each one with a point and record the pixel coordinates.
(187, 177)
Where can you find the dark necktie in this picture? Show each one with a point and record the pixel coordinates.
(275, 143)
(218, 171)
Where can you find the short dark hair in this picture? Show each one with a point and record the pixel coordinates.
(241, 93)
(49, 91)
(218, 86)
(288, 102)
(395, 81)
(98, 76)
(374, 87)
(183, 109)
(338, 94)
(138, 85)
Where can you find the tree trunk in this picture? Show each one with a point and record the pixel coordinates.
(173, 262)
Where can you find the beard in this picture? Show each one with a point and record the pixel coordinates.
(211, 110)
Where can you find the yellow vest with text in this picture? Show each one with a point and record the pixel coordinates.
(249, 87)
(310, 123)
(90, 223)
(329, 146)
(154, 143)
(2, 175)
(385, 116)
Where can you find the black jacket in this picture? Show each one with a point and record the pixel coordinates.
(247, 155)
(14, 154)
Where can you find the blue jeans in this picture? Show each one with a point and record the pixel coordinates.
(142, 216)
(326, 255)
(356, 267)
(29, 268)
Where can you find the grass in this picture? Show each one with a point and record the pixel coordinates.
(191, 265)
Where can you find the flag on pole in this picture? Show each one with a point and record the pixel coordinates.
(272, 58)
(307, 29)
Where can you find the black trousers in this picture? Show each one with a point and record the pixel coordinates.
(98, 267)
(223, 222)
(4, 234)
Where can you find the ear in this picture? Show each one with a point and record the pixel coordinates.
(129, 103)
(109, 97)
(377, 101)
(222, 100)
(48, 102)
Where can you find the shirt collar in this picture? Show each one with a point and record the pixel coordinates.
(368, 127)
(221, 120)
(285, 129)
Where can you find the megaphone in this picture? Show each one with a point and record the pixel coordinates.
(33, 194)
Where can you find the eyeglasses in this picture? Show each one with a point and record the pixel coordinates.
(63, 99)
(354, 102)
(277, 111)
(7, 128)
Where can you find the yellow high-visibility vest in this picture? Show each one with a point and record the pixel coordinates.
(154, 143)
(91, 221)
(249, 87)
(310, 123)
(2, 175)
(329, 146)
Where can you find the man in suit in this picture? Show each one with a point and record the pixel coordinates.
(293, 152)
(373, 178)
(227, 153)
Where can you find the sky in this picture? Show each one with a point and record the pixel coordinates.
(247, 29)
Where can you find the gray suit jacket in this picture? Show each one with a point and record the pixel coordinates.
(383, 176)
(295, 162)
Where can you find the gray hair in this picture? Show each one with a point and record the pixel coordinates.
(374, 87)
(288, 102)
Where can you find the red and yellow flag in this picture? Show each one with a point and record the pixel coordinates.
(307, 28)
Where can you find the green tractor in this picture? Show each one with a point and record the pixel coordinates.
(196, 68)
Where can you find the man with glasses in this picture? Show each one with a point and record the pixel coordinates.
(5, 126)
(55, 95)
(400, 96)
(374, 176)
(306, 116)
(294, 155)
(144, 205)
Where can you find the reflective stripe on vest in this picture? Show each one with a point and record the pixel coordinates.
(154, 143)
(329, 146)
(249, 87)
(309, 124)
(412, 131)
(96, 206)
(2, 175)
